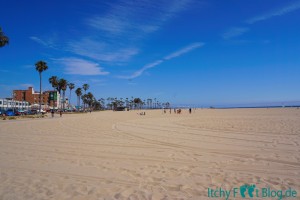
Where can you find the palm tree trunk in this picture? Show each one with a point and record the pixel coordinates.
(40, 92)
(69, 100)
(64, 93)
(83, 101)
(53, 101)
(78, 101)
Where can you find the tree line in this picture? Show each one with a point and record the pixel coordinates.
(89, 101)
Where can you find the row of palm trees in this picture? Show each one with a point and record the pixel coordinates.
(133, 103)
(60, 85)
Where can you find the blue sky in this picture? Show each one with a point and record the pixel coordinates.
(183, 51)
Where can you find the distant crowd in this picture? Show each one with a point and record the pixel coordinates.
(177, 111)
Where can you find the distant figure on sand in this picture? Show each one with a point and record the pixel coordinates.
(190, 110)
(60, 113)
(141, 113)
(52, 113)
(170, 110)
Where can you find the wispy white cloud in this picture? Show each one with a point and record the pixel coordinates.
(279, 12)
(46, 43)
(109, 24)
(234, 32)
(141, 71)
(123, 25)
(237, 31)
(137, 18)
(184, 50)
(168, 57)
(78, 66)
(114, 35)
(101, 51)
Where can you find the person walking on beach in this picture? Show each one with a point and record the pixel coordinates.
(60, 113)
(52, 113)
(190, 111)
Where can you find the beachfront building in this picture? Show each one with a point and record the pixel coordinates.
(50, 99)
(9, 103)
(65, 103)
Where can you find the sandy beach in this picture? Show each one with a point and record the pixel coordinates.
(123, 155)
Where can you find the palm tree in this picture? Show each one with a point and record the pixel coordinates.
(71, 87)
(4, 40)
(53, 80)
(138, 102)
(84, 99)
(62, 84)
(90, 98)
(102, 103)
(85, 87)
(109, 104)
(78, 92)
(41, 66)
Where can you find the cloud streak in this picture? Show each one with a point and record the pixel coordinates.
(175, 54)
(114, 35)
(234, 32)
(76, 66)
(132, 20)
(135, 19)
(44, 43)
(101, 51)
(184, 50)
(238, 31)
(142, 70)
(282, 11)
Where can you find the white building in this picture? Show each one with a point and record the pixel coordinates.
(8, 103)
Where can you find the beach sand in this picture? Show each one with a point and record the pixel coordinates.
(123, 155)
